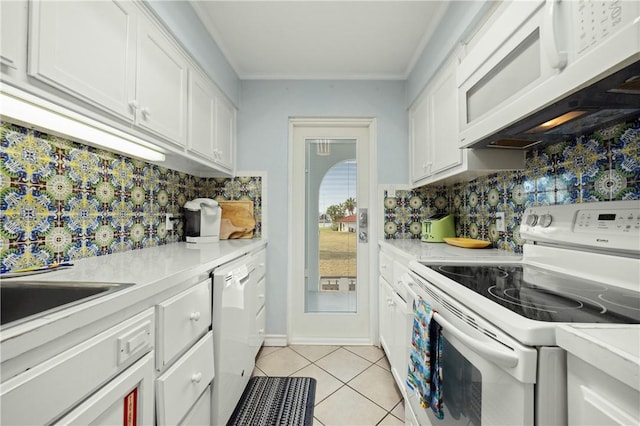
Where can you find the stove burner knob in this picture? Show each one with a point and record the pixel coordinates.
(545, 220)
(531, 220)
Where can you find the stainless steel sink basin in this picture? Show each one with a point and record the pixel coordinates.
(21, 301)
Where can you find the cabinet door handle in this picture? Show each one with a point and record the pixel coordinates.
(133, 105)
(261, 296)
(146, 112)
(195, 316)
(195, 378)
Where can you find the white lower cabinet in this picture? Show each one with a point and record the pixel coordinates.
(393, 328)
(58, 385)
(185, 359)
(180, 387)
(395, 315)
(127, 400)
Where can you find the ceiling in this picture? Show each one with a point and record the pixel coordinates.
(321, 39)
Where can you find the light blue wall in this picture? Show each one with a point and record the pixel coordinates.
(185, 25)
(263, 126)
(459, 18)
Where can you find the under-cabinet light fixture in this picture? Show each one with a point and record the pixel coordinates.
(24, 109)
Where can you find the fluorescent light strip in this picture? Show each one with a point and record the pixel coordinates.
(86, 131)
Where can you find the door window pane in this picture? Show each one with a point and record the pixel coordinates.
(331, 227)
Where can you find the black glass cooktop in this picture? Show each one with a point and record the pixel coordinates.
(544, 295)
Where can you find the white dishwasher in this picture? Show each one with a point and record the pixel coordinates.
(234, 359)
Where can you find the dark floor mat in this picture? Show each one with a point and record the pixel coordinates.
(276, 401)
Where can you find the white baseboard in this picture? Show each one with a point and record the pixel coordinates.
(333, 341)
(275, 340)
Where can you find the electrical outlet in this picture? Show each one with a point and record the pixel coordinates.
(500, 226)
(168, 223)
(391, 192)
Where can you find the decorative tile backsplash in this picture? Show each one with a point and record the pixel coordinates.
(603, 166)
(61, 200)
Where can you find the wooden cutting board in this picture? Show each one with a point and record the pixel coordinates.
(240, 223)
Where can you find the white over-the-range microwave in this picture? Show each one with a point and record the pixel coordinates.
(545, 70)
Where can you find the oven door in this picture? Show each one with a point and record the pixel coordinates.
(485, 382)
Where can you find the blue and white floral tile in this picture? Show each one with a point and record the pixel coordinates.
(62, 200)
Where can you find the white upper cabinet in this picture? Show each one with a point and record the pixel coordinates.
(202, 116)
(86, 49)
(419, 129)
(211, 122)
(434, 126)
(109, 55)
(112, 61)
(224, 151)
(443, 119)
(13, 38)
(433, 120)
(161, 90)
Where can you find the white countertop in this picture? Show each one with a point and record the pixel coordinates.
(421, 251)
(152, 271)
(612, 348)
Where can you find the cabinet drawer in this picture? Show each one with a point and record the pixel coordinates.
(180, 386)
(55, 386)
(260, 294)
(182, 319)
(200, 414)
(386, 267)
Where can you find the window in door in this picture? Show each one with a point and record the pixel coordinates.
(331, 228)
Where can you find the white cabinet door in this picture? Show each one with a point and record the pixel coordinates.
(161, 86)
(443, 135)
(129, 396)
(13, 38)
(86, 49)
(419, 134)
(225, 132)
(58, 384)
(202, 116)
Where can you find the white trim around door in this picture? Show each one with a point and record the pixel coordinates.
(366, 332)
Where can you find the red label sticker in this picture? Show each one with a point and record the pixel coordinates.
(131, 408)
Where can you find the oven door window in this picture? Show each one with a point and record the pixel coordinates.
(462, 388)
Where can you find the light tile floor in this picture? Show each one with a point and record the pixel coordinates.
(354, 385)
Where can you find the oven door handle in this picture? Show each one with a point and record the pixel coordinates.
(501, 357)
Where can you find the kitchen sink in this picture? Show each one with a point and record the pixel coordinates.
(21, 301)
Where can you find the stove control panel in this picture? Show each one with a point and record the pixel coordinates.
(621, 221)
(611, 225)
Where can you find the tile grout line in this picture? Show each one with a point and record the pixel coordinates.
(371, 364)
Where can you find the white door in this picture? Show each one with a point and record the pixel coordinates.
(330, 231)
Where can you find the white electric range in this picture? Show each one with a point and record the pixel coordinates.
(501, 364)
